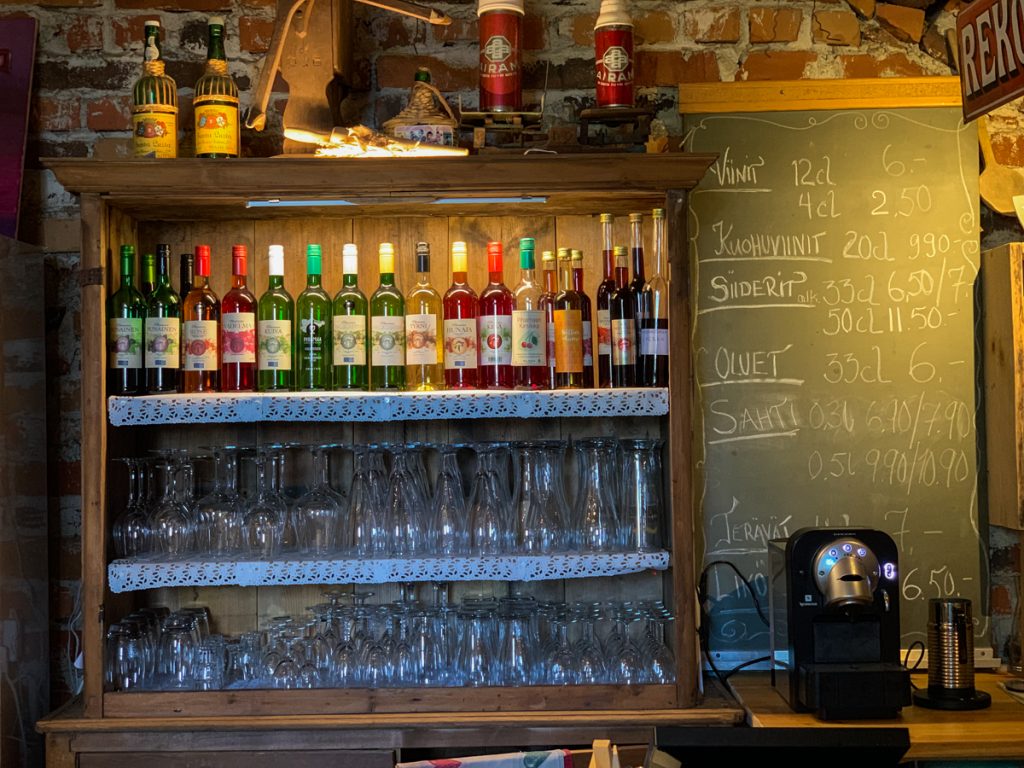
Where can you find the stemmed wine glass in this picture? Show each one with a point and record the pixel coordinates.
(131, 532)
(264, 519)
(317, 513)
(220, 511)
(449, 532)
(490, 508)
(173, 533)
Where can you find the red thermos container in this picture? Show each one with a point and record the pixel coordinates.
(501, 31)
(613, 49)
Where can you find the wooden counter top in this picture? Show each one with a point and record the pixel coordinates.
(996, 732)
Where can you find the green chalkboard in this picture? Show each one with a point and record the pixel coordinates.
(833, 258)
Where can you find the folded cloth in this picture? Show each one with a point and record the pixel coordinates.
(548, 758)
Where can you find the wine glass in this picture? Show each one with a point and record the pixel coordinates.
(171, 524)
(449, 533)
(489, 509)
(317, 514)
(596, 509)
(405, 509)
(220, 511)
(131, 533)
(264, 518)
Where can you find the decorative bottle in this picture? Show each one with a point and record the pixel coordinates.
(216, 100)
(154, 102)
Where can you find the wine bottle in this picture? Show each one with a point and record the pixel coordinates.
(186, 274)
(200, 314)
(636, 285)
(313, 312)
(387, 327)
(238, 329)
(424, 357)
(154, 102)
(568, 327)
(216, 100)
(126, 313)
(495, 323)
(623, 327)
(349, 325)
(460, 325)
(275, 315)
(586, 318)
(547, 306)
(654, 338)
(603, 361)
(529, 325)
(163, 329)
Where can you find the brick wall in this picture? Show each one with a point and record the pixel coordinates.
(90, 51)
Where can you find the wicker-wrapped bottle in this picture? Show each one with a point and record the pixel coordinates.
(154, 103)
(216, 100)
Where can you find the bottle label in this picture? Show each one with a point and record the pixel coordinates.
(623, 342)
(495, 340)
(588, 345)
(125, 342)
(163, 339)
(529, 337)
(613, 48)
(238, 337)
(460, 343)
(421, 340)
(568, 341)
(200, 345)
(654, 341)
(604, 332)
(275, 348)
(155, 133)
(216, 129)
(350, 339)
(313, 332)
(387, 335)
(551, 343)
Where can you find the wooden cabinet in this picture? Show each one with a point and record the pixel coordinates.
(301, 200)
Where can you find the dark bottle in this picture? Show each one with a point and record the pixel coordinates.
(603, 359)
(636, 285)
(238, 329)
(586, 316)
(126, 313)
(163, 329)
(186, 275)
(623, 327)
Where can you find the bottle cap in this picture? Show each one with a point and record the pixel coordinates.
(203, 260)
(163, 250)
(275, 254)
(349, 259)
(494, 254)
(606, 218)
(215, 21)
(563, 253)
(422, 75)
(127, 250)
(148, 260)
(636, 218)
(512, 6)
(547, 256)
(526, 253)
(658, 213)
(619, 252)
(386, 256)
(422, 257)
(460, 261)
(239, 257)
(613, 12)
(313, 262)
(577, 254)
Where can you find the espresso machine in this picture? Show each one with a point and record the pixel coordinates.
(835, 623)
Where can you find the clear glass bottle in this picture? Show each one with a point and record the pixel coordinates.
(547, 305)
(460, 325)
(216, 100)
(495, 324)
(200, 314)
(387, 327)
(154, 102)
(163, 329)
(238, 329)
(275, 328)
(529, 325)
(313, 314)
(424, 357)
(349, 325)
(654, 338)
(126, 314)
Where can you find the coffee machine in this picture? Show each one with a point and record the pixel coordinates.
(835, 623)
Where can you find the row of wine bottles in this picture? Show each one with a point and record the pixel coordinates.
(538, 336)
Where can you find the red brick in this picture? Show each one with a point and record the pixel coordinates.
(863, 8)
(127, 31)
(654, 27)
(254, 34)
(672, 67)
(459, 31)
(398, 72)
(775, 25)
(1008, 149)
(775, 65)
(85, 33)
(174, 5)
(713, 25)
(109, 114)
(906, 24)
(835, 28)
(50, 114)
(583, 29)
(892, 65)
(535, 33)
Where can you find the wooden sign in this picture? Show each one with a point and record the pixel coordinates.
(990, 39)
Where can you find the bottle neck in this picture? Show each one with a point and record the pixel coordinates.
(387, 278)
(215, 47)
(529, 276)
(459, 278)
(495, 277)
(238, 281)
(350, 280)
(313, 281)
(636, 247)
(550, 280)
(276, 281)
(200, 282)
(565, 276)
(659, 246)
(423, 279)
(621, 273)
(577, 277)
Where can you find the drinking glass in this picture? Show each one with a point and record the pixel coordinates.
(264, 519)
(368, 497)
(317, 514)
(279, 489)
(641, 494)
(176, 655)
(539, 506)
(596, 509)
(449, 533)
(490, 504)
(406, 509)
(208, 670)
(219, 512)
(131, 532)
(129, 656)
(476, 655)
(171, 524)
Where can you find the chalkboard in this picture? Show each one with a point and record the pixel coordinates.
(833, 259)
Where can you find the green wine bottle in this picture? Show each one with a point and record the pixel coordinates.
(387, 327)
(313, 313)
(126, 313)
(275, 318)
(163, 328)
(349, 325)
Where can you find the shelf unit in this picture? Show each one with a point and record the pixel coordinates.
(183, 202)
